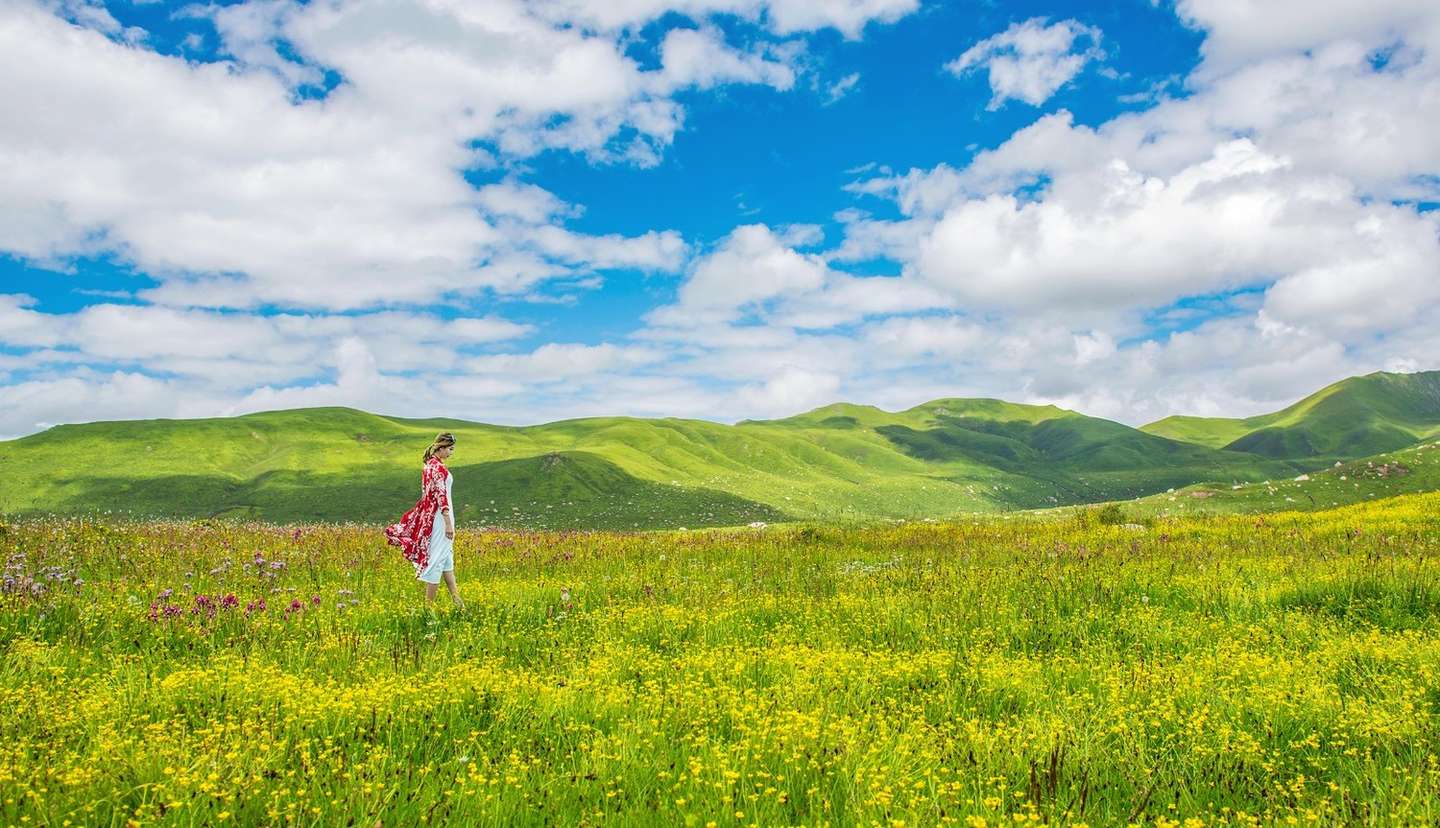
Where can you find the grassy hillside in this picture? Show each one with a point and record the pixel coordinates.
(1060, 456)
(837, 463)
(1356, 417)
(342, 464)
(840, 462)
(1408, 471)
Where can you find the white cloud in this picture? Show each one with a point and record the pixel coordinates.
(1110, 237)
(840, 88)
(33, 405)
(471, 330)
(233, 350)
(22, 326)
(752, 265)
(849, 16)
(215, 179)
(791, 390)
(1240, 33)
(1030, 61)
(565, 362)
(249, 32)
(908, 338)
(701, 58)
(526, 202)
(759, 272)
(1093, 346)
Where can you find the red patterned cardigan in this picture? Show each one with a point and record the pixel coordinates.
(412, 533)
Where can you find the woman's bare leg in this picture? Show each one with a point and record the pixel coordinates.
(430, 590)
(449, 578)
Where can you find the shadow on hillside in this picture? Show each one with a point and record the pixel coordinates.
(559, 490)
(1076, 459)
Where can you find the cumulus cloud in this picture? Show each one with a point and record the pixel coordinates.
(1030, 61)
(757, 272)
(235, 349)
(226, 183)
(1110, 237)
(701, 58)
(790, 390)
(1237, 34)
(750, 266)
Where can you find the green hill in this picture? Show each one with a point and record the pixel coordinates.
(1356, 417)
(837, 463)
(1407, 471)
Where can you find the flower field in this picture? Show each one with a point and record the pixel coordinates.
(1233, 670)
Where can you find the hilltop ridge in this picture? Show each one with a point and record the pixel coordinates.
(1354, 417)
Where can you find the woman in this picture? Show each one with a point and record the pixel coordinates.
(426, 534)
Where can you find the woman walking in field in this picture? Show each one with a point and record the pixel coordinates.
(426, 534)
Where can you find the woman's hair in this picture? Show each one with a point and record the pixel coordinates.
(441, 440)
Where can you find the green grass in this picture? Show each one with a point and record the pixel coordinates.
(1019, 669)
(1356, 417)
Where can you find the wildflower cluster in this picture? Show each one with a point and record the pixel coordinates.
(19, 580)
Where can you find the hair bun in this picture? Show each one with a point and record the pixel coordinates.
(442, 440)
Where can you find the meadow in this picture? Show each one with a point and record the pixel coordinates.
(1027, 669)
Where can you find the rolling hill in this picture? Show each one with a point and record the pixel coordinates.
(841, 462)
(1407, 471)
(1356, 417)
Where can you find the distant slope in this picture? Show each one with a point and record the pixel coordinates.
(1051, 455)
(1408, 471)
(1356, 417)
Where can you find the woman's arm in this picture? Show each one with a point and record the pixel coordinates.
(449, 520)
(442, 498)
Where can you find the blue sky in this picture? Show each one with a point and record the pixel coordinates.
(524, 210)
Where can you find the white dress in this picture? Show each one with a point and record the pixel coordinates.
(442, 549)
